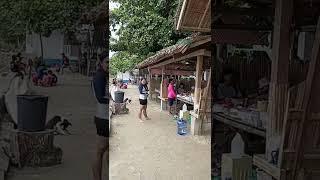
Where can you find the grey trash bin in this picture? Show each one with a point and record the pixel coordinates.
(32, 112)
(118, 96)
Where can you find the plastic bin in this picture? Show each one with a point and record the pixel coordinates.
(32, 112)
(118, 96)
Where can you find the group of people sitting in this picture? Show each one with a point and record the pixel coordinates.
(45, 78)
(229, 89)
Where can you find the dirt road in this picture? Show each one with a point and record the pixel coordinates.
(73, 96)
(152, 150)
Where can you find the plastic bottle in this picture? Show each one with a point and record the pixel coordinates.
(184, 107)
(237, 145)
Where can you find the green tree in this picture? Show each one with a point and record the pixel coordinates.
(122, 62)
(41, 16)
(144, 27)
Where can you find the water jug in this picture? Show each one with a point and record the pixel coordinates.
(182, 127)
(237, 145)
(184, 107)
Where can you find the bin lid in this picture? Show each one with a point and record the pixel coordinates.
(32, 97)
(119, 92)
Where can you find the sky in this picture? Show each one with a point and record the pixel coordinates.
(112, 5)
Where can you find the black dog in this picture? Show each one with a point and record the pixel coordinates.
(65, 124)
(52, 123)
(59, 124)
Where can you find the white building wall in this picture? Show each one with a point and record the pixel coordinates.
(52, 46)
(124, 76)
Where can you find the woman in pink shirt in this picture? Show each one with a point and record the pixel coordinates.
(171, 95)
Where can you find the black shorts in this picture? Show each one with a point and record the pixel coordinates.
(143, 102)
(102, 126)
(171, 101)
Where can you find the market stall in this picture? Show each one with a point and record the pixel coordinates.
(189, 64)
(286, 125)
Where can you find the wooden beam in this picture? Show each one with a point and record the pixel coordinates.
(246, 11)
(208, 40)
(171, 72)
(238, 37)
(279, 73)
(311, 96)
(205, 14)
(241, 27)
(201, 52)
(199, 71)
(270, 169)
(182, 12)
(197, 29)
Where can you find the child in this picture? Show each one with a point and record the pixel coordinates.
(45, 80)
(53, 78)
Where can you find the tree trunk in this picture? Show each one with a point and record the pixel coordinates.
(41, 45)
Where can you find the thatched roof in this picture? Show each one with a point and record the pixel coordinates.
(194, 15)
(180, 47)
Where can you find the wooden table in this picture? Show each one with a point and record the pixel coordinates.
(185, 100)
(239, 124)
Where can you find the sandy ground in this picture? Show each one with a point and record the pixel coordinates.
(73, 97)
(148, 151)
(152, 150)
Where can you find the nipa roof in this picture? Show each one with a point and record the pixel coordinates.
(194, 15)
(180, 47)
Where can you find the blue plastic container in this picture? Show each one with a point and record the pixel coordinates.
(182, 127)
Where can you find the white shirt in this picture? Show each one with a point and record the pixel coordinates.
(113, 89)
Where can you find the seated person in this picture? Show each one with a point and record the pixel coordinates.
(13, 64)
(45, 81)
(227, 89)
(35, 78)
(181, 88)
(53, 78)
(262, 91)
(113, 89)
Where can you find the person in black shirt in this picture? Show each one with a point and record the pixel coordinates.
(143, 96)
(101, 117)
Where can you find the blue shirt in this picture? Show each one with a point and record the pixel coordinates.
(143, 90)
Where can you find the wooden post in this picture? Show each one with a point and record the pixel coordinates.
(198, 80)
(279, 73)
(88, 63)
(150, 84)
(163, 91)
(309, 125)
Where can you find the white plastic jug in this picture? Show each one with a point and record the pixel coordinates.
(184, 113)
(237, 145)
(184, 107)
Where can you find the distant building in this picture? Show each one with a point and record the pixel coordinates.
(53, 46)
(124, 76)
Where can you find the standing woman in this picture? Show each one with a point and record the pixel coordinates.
(101, 117)
(171, 95)
(143, 90)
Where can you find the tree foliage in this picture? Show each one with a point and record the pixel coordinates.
(122, 62)
(144, 27)
(40, 16)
